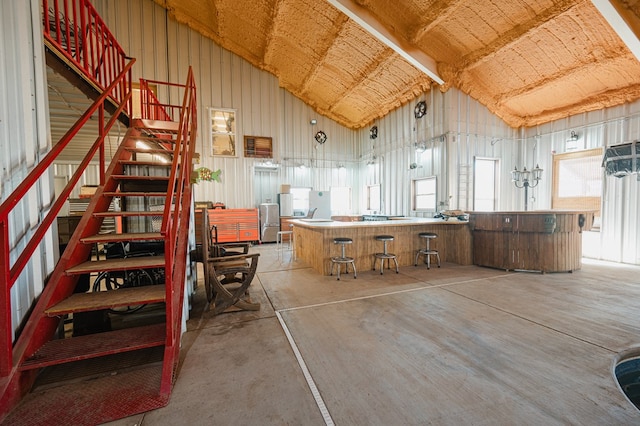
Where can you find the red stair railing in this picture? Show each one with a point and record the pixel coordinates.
(9, 273)
(151, 108)
(176, 216)
(75, 30)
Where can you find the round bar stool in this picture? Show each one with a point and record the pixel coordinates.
(385, 254)
(427, 252)
(343, 259)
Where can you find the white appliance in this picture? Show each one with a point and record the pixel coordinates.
(286, 204)
(320, 200)
(269, 222)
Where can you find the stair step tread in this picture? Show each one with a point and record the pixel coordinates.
(161, 125)
(135, 194)
(61, 351)
(159, 139)
(93, 301)
(145, 163)
(149, 151)
(128, 214)
(138, 178)
(109, 238)
(142, 262)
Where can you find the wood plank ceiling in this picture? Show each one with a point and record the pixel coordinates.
(528, 61)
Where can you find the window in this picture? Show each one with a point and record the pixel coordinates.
(341, 199)
(577, 181)
(222, 123)
(373, 198)
(424, 194)
(485, 184)
(300, 201)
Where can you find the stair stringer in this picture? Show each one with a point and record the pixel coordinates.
(40, 328)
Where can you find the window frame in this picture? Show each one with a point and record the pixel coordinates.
(496, 181)
(332, 191)
(301, 202)
(370, 190)
(414, 194)
(577, 203)
(216, 137)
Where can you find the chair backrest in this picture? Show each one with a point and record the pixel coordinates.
(311, 212)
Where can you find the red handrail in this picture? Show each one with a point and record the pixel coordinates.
(150, 107)
(74, 29)
(176, 215)
(10, 273)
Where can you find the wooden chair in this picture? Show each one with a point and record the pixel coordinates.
(228, 268)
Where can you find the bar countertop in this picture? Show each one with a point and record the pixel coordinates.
(399, 221)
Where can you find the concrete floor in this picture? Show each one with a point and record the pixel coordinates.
(456, 345)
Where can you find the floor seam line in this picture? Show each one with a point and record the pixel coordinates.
(534, 322)
(307, 374)
(390, 293)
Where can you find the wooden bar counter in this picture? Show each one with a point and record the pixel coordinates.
(541, 240)
(314, 241)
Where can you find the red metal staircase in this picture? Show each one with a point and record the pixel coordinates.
(106, 374)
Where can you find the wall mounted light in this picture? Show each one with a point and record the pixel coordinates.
(313, 122)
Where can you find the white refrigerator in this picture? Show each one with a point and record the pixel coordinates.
(320, 200)
(269, 222)
(286, 204)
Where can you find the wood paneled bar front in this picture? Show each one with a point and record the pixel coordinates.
(314, 240)
(542, 240)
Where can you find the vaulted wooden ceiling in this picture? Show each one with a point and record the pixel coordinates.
(528, 61)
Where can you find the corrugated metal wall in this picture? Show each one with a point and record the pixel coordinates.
(619, 237)
(164, 50)
(455, 130)
(23, 140)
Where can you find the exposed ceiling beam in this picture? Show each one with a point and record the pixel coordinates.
(623, 21)
(372, 25)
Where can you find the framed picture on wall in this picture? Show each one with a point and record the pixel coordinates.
(258, 147)
(222, 124)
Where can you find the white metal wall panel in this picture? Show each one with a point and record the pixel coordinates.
(23, 140)
(164, 50)
(619, 237)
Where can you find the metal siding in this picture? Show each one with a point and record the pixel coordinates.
(24, 137)
(227, 81)
(164, 50)
(617, 239)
